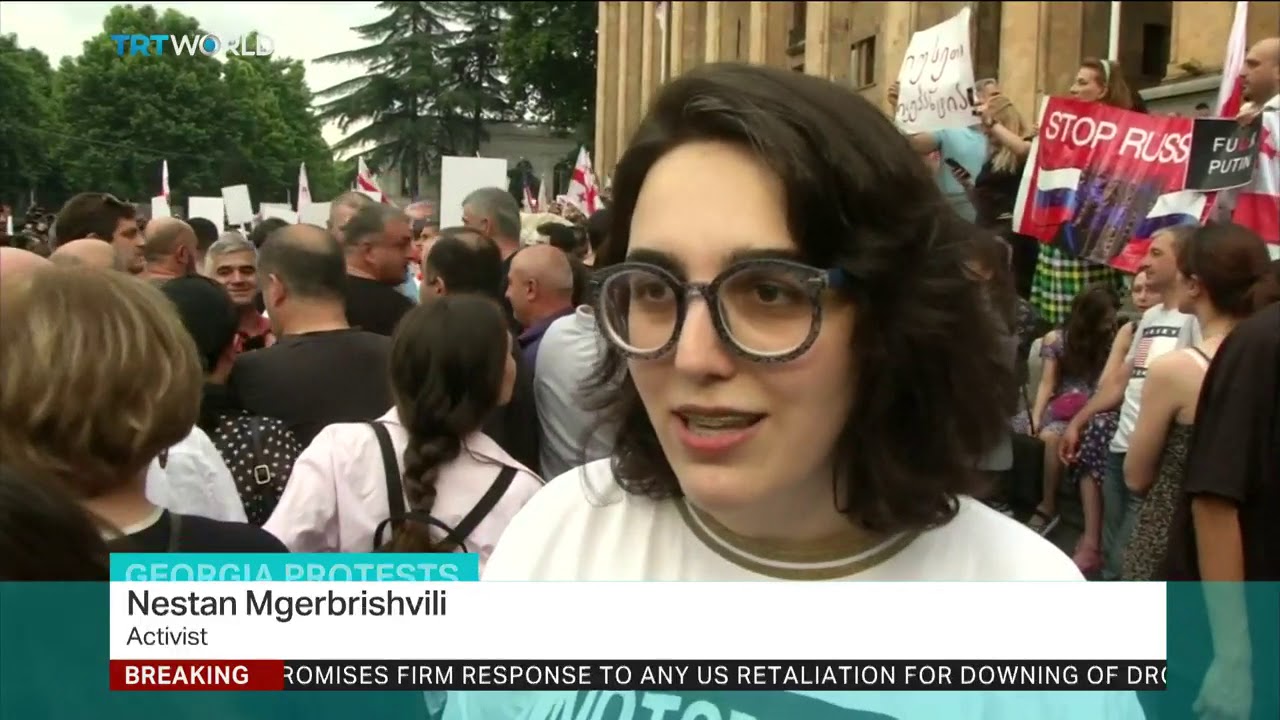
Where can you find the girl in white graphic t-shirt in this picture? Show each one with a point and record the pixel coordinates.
(801, 366)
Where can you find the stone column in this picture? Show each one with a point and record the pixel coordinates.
(630, 46)
(895, 34)
(1060, 44)
(607, 58)
(817, 39)
(839, 41)
(690, 31)
(1200, 34)
(1022, 26)
(650, 53)
(767, 33)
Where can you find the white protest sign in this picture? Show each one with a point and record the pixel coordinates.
(209, 208)
(315, 214)
(239, 206)
(278, 210)
(935, 85)
(461, 176)
(160, 207)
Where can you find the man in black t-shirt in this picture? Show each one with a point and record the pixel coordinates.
(321, 370)
(464, 261)
(378, 244)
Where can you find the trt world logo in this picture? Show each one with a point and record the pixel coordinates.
(258, 45)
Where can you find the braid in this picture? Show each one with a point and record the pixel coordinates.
(423, 457)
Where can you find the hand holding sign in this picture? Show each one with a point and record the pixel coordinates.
(935, 86)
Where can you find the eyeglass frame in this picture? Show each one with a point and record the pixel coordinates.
(820, 281)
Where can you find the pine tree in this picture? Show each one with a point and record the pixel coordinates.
(474, 91)
(400, 94)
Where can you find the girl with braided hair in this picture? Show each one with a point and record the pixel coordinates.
(423, 477)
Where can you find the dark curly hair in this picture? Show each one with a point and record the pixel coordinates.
(448, 357)
(1088, 333)
(931, 371)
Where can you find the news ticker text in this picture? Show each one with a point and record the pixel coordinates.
(527, 675)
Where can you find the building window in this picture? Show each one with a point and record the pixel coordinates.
(799, 20)
(862, 63)
(1155, 49)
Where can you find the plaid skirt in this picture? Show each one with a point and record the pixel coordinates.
(1059, 278)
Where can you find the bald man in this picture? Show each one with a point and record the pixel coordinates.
(1260, 72)
(89, 251)
(540, 290)
(170, 249)
(320, 370)
(15, 262)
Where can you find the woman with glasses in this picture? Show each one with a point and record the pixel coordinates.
(803, 370)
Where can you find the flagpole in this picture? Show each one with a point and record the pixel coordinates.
(1113, 33)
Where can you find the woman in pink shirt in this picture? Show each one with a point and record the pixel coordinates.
(451, 365)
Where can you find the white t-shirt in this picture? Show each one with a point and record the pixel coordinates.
(582, 526)
(195, 481)
(1160, 331)
(800, 705)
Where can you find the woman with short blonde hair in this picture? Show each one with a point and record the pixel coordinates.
(98, 377)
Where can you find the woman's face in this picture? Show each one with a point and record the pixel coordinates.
(1143, 296)
(702, 206)
(1088, 85)
(1187, 292)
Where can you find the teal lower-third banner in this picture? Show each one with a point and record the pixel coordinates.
(54, 665)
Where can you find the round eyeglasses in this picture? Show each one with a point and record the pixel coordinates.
(765, 310)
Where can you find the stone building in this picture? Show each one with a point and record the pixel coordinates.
(1173, 51)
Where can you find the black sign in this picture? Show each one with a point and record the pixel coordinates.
(1223, 154)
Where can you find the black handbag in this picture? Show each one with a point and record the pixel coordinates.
(1022, 484)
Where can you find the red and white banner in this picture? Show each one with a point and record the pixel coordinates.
(1231, 90)
(583, 192)
(365, 182)
(1101, 181)
(164, 180)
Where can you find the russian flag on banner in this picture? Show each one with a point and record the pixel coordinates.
(1100, 181)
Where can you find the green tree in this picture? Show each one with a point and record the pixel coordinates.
(274, 137)
(245, 120)
(398, 97)
(548, 52)
(125, 115)
(28, 123)
(474, 92)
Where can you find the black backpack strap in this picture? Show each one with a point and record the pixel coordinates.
(261, 470)
(395, 490)
(459, 534)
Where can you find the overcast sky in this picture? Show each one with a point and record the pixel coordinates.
(303, 31)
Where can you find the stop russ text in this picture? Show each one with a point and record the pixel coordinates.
(1083, 131)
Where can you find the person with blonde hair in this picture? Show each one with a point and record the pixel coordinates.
(124, 390)
(995, 190)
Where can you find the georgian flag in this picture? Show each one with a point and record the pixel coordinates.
(164, 179)
(583, 193)
(365, 181)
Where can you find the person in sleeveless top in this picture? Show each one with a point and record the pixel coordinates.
(424, 477)
(1222, 271)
